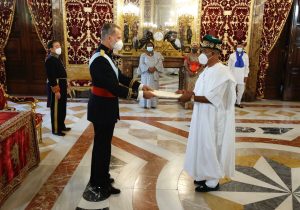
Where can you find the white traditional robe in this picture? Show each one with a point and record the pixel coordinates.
(150, 79)
(210, 150)
(239, 73)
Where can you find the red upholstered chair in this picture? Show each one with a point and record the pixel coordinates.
(4, 97)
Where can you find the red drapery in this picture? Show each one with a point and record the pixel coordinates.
(275, 15)
(41, 13)
(7, 10)
(84, 21)
(227, 20)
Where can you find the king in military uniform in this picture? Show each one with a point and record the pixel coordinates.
(103, 109)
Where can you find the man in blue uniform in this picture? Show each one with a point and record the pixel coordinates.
(57, 80)
(103, 109)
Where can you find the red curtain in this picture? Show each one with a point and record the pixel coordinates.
(7, 10)
(275, 15)
(84, 21)
(227, 20)
(41, 13)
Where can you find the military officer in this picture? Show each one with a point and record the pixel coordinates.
(103, 109)
(57, 80)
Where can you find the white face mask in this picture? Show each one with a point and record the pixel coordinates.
(203, 59)
(58, 51)
(239, 49)
(177, 43)
(118, 45)
(149, 49)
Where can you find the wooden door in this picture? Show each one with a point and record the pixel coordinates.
(25, 56)
(274, 80)
(291, 90)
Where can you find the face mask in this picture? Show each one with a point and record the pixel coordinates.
(118, 45)
(239, 49)
(149, 49)
(177, 43)
(203, 59)
(58, 51)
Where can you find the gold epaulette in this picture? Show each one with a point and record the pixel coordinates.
(102, 52)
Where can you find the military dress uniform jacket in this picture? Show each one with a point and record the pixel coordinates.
(55, 71)
(57, 80)
(102, 109)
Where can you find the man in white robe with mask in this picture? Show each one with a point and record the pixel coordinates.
(151, 64)
(239, 65)
(210, 153)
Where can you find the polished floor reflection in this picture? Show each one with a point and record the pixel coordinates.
(147, 160)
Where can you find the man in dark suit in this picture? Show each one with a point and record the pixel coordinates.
(57, 80)
(103, 109)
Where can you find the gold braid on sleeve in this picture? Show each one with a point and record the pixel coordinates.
(132, 82)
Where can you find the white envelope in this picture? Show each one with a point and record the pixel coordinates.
(165, 94)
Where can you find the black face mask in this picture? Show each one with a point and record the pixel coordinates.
(194, 50)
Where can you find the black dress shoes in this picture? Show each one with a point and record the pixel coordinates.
(239, 105)
(199, 182)
(111, 180)
(95, 194)
(205, 188)
(66, 129)
(113, 191)
(59, 134)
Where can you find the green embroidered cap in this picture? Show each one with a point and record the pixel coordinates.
(211, 42)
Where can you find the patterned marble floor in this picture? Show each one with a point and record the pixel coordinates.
(147, 159)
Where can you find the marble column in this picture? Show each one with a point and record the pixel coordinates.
(256, 33)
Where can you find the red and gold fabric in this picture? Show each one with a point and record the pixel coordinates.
(7, 10)
(275, 15)
(19, 152)
(227, 20)
(41, 13)
(3, 100)
(82, 17)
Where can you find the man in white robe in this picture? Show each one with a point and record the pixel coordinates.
(151, 64)
(239, 65)
(210, 153)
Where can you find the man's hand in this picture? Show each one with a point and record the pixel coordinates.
(152, 69)
(57, 95)
(148, 94)
(245, 79)
(179, 92)
(186, 96)
(146, 88)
